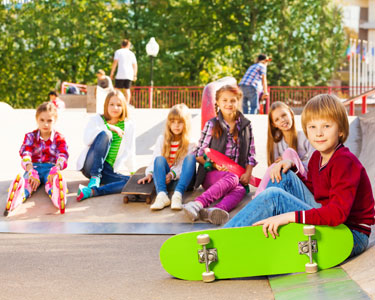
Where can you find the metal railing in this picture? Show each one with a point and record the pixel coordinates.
(295, 97)
(362, 98)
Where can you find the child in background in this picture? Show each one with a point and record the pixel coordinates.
(60, 104)
(44, 154)
(336, 191)
(173, 166)
(110, 145)
(231, 134)
(284, 142)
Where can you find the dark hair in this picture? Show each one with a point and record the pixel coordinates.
(52, 93)
(262, 57)
(125, 43)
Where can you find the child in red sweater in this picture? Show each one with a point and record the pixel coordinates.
(337, 189)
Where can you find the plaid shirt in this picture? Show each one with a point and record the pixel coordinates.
(253, 76)
(232, 148)
(54, 150)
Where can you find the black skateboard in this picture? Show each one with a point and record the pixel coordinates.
(137, 192)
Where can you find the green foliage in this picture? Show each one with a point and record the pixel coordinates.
(45, 42)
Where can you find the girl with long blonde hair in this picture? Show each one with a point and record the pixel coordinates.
(285, 142)
(173, 165)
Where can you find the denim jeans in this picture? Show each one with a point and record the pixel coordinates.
(43, 170)
(161, 169)
(95, 158)
(95, 165)
(289, 195)
(250, 99)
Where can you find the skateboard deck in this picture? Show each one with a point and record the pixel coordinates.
(138, 191)
(246, 252)
(208, 97)
(221, 159)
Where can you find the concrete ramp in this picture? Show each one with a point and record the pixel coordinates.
(38, 215)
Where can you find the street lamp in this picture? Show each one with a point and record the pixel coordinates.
(152, 49)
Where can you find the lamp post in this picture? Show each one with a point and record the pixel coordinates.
(152, 49)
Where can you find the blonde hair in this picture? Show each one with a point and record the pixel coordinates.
(217, 131)
(118, 94)
(326, 107)
(275, 135)
(177, 112)
(48, 107)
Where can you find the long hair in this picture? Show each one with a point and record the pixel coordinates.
(178, 112)
(217, 131)
(275, 135)
(120, 95)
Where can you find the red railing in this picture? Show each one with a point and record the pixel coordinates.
(166, 96)
(362, 98)
(296, 97)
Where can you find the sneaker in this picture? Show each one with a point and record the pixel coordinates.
(16, 194)
(176, 201)
(94, 182)
(83, 192)
(160, 202)
(191, 210)
(59, 191)
(214, 215)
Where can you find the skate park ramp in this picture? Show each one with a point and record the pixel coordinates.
(38, 216)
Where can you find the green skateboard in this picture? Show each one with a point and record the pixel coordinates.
(245, 251)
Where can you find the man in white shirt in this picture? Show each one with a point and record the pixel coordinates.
(127, 69)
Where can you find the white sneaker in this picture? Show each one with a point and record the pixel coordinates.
(176, 201)
(160, 202)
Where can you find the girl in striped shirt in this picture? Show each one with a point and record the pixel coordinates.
(173, 165)
(110, 146)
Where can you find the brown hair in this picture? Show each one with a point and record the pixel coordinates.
(48, 107)
(275, 135)
(177, 112)
(120, 95)
(125, 43)
(326, 107)
(217, 131)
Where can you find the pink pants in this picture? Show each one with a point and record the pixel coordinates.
(219, 184)
(289, 154)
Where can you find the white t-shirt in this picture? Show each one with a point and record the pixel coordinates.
(125, 60)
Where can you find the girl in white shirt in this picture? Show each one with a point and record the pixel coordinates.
(173, 164)
(285, 142)
(109, 146)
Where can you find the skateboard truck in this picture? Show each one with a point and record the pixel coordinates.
(309, 247)
(206, 256)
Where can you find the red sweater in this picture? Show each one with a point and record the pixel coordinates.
(344, 190)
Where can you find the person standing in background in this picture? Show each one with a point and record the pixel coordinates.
(253, 83)
(127, 68)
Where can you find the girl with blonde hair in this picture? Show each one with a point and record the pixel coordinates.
(285, 142)
(109, 146)
(173, 165)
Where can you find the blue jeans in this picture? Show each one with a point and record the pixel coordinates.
(95, 165)
(289, 195)
(43, 170)
(161, 169)
(250, 99)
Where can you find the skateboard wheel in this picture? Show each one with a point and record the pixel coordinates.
(309, 230)
(203, 239)
(126, 199)
(148, 200)
(208, 276)
(311, 268)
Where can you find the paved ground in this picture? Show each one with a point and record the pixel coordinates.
(48, 266)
